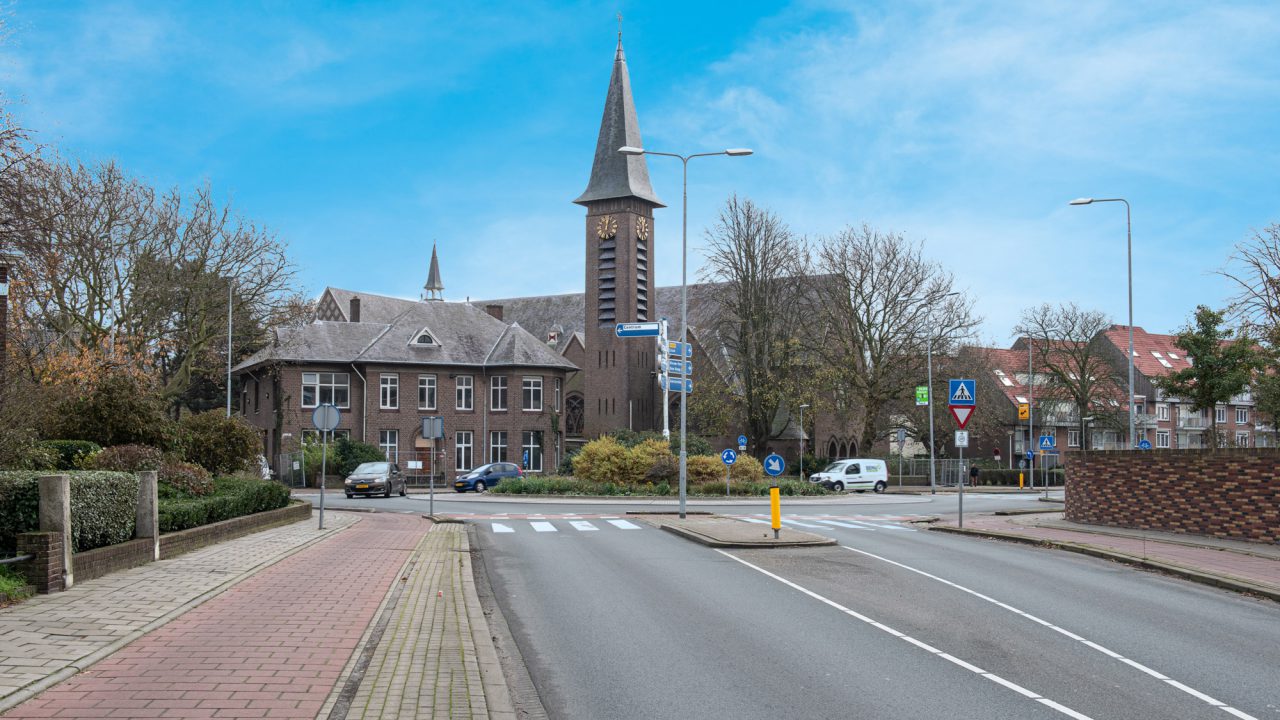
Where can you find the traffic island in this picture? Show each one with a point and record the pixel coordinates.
(724, 532)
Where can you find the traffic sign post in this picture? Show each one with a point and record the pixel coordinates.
(742, 443)
(325, 418)
(922, 395)
(644, 329)
(774, 465)
(1144, 444)
(728, 457)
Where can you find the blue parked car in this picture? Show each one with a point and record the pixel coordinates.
(486, 476)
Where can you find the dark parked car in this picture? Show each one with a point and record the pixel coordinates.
(375, 478)
(486, 476)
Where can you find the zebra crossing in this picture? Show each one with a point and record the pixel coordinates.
(870, 523)
(536, 523)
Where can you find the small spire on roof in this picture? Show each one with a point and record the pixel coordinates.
(434, 287)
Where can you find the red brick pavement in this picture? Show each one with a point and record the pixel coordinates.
(1258, 570)
(272, 646)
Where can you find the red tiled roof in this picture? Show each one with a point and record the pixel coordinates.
(1145, 344)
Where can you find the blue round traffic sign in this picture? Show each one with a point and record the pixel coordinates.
(742, 439)
(774, 464)
(1144, 444)
(729, 457)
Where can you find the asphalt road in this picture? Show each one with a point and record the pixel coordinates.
(617, 622)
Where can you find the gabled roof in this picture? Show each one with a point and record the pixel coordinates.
(434, 287)
(466, 335)
(614, 175)
(1148, 350)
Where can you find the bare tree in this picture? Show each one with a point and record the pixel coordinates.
(760, 264)
(1255, 270)
(879, 303)
(1069, 346)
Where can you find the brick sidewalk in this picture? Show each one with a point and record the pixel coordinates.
(1261, 571)
(273, 645)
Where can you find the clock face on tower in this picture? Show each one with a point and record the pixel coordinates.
(642, 228)
(607, 228)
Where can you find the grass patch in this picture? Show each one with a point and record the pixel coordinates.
(13, 586)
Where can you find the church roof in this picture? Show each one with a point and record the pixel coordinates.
(465, 335)
(434, 284)
(614, 175)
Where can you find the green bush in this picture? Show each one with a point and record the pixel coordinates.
(119, 410)
(602, 460)
(129, 458)
(103, 507)
(786, 486)
(694, 444)
(220, 444)
(232, 497)
(12, 586)
(71, 454)
(556, 485)
(184, 479)
(351, 453)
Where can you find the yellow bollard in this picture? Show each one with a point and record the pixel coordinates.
(1019, 481)
(775, 509)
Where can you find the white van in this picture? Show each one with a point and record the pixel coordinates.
(853, 474)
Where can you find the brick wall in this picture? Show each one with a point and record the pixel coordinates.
(45, 571)
(101, 561)
(1233, 493)
(176, 543)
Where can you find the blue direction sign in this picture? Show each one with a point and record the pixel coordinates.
(676, 384)
(729, 456)
(644, 329)
(1030, 454)
(774, 464)
(1047, 442)
(742, 440)
(679, 349)
(961, 393)
(1144, 444)
(679, 367)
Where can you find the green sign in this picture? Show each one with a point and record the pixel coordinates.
(922, 395)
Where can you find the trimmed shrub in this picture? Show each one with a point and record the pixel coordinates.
(352, 453)
(184, 479)
(70, 454)
(603, 460)
(220, 444)
(128, 458)
(103, 507)
(232, 497)
(694, 444)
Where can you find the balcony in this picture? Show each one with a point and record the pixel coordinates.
(1192, 422)
(1144, 420)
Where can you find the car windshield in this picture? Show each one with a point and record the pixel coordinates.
(833, 467)
(370, 468)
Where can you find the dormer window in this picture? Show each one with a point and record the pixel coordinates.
(424, 338)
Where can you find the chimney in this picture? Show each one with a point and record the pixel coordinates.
(354, 315)
(494, 310)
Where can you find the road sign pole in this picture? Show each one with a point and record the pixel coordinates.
(727, 468)
(962, 479)
(324, 456)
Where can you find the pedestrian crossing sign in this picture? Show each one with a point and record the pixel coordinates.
(961, 392)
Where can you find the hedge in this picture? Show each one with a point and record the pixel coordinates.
(71, 454)
(103, 507)
(232, 497)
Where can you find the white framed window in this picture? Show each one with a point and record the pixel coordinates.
(426, 392)
(1242, 439)
(312, 437)
(423, 338)
(531, 393)
(498, 446)
(1242, 416)
(464, 392)
(1162, 438)
(326, 387)
(1220, 413)
(1073, 438)
(389, 442)
(498, 392)
(462, 450)
(1162, 412)
(531, 447)
(389, 392)
(556, 406)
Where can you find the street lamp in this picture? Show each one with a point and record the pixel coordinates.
(1133, 434)
(684, 284)
(802, 407)
(933, 490)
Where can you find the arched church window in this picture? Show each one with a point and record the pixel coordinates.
(574, 416)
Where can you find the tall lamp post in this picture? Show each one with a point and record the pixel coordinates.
(231, 284)
(1128, 222)
(802, 408)
(684, 284)
(933, 489)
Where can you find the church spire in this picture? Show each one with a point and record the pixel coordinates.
(434, 287)
(614, 175)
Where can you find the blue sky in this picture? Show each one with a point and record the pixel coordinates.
(361, 133)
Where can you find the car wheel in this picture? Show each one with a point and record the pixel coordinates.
(404, 489)
(387, 492)
(480, 486)
(838, 486)
(880, 487)
(349, 496)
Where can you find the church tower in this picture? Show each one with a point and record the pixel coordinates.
(620, 384)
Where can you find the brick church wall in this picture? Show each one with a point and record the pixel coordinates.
(1233, 493)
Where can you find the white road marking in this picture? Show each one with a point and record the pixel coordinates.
(925, 646)
(582, 525)
(892, 527)
(755, 520)
(500, 528)
(623, 524)
(849, 525)
(1067, 633)
(543, 526)
(799, 524)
